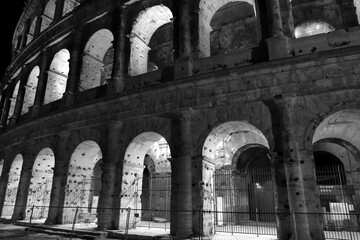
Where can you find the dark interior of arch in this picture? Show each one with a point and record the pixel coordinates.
(161, 48)
(329, 169)
(234, 28)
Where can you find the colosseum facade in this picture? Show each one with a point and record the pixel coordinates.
(203, 116)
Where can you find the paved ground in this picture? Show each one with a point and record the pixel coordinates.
(9, 231)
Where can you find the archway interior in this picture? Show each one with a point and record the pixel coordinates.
(12, 186)
(83, 183)
(13, 100)
(337, 164)
(30, 89)
(242, 175)
(97, 60)
(40, 185)
(161, 52)
(57, 76)
(311, 28)
(146, 180)
(152, 28)
(48, 15)
(223, 23)
(234, 28)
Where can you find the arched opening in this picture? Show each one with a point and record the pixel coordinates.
(97, 60)
(234, 28)
(48, 15)
(151, 41)
(227, 26)
(31, 34)
(242, 183)
(69, 6)
(337, 164)
(57, 76)
(13, 100)
(146, 181)
(12, 187)
(83, 184)
(30, 89)
(311, 28)
(40, 185)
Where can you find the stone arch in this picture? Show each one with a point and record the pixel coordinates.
(12, 186)
(79, 181)
(57, 76)
(48, 15)
(97, 60)
(312, 27)
(336, 150)
(148, 151)
(144, 27)
(31, 30)
(206, 14)
(234, 135)
(40, 185)
(13, 100)
(232, 174)
(341, 125)
(30, 89)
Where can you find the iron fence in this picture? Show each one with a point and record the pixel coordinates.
(131, 222)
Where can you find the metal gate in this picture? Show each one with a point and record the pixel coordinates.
(155, 196)
(84, 195)
(244, 201)
(39, 198)
(340, 201)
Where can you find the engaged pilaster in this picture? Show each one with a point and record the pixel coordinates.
(293, 168)
(108, 178)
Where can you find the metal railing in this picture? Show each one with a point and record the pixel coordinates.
(131, 222)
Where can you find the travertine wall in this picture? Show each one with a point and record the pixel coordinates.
(273, 96)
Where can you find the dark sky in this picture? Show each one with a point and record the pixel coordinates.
(8, 21)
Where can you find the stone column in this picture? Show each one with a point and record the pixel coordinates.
(111, 157)
(312, 195)
(174, 196)
(287, 18)
(184, 63)
(293, 167)
(23, 188)
(203, 192)
(282, 210)
(2, 104)
(278, 44)
(5, 109)
(181, 135)
(20, 97)
(59, 9)
(116, 83)
(75, 67)
(41, 87)
(37, 27)
(57, 196)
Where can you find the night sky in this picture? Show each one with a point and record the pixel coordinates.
(8, 21)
